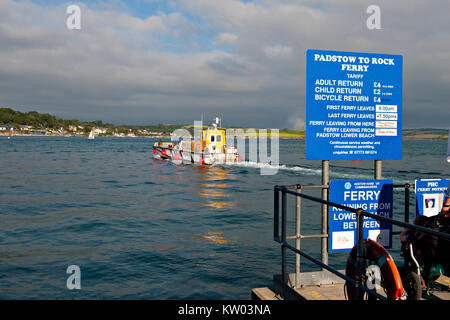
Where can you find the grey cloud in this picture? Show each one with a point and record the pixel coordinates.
(120, 67)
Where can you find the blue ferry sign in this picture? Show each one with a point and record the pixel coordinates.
(374, 196)
(430, 195)
(353, 106)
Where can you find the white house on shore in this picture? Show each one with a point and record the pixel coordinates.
(99, 130)
(7, 128)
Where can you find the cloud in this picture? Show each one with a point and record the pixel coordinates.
(277, 51)
(297, 123)
(225, 39)
(244, 60)
(114, 61)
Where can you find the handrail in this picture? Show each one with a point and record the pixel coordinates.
(360, 213)
(368, 214)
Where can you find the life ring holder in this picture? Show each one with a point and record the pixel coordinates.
(377, 253)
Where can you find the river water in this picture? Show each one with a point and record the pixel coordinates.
(140, 228)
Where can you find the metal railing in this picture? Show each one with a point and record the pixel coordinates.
(282, 237)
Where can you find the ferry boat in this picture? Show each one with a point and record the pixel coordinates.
(208, 149)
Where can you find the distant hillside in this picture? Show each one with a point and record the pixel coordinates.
(40, 120)
(425, 133)
(47, 121)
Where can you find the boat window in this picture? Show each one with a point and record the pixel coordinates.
(219, 138)
(212, 138)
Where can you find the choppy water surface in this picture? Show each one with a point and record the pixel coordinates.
(145, 229)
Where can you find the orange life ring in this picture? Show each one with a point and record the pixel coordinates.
(377, 253)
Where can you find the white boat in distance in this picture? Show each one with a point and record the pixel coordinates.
(91, 135)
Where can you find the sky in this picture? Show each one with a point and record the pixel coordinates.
(172, 61)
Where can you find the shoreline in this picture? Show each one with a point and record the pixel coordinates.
(406, 137)
(74, 135)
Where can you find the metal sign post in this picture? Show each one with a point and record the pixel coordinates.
(325, 182)
(378, 169)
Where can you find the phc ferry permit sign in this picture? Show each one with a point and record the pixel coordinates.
(353, 106)
(430, 195)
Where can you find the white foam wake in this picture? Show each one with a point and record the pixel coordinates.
(308, 171)
(299, 169)
(268, 166)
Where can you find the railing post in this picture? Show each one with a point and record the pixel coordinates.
(276, 214)
(360, 253)
(283, 234)
(407, 202)
(297, 239)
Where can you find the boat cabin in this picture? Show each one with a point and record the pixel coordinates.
(212, 138)
(215, 138)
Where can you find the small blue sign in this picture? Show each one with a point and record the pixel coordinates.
(430, 196)
(353, 106)
(374, 196)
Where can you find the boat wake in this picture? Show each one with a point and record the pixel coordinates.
(343, 175)
(303, 170)
(273, 168)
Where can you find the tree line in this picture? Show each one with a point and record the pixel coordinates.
(38, 120)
